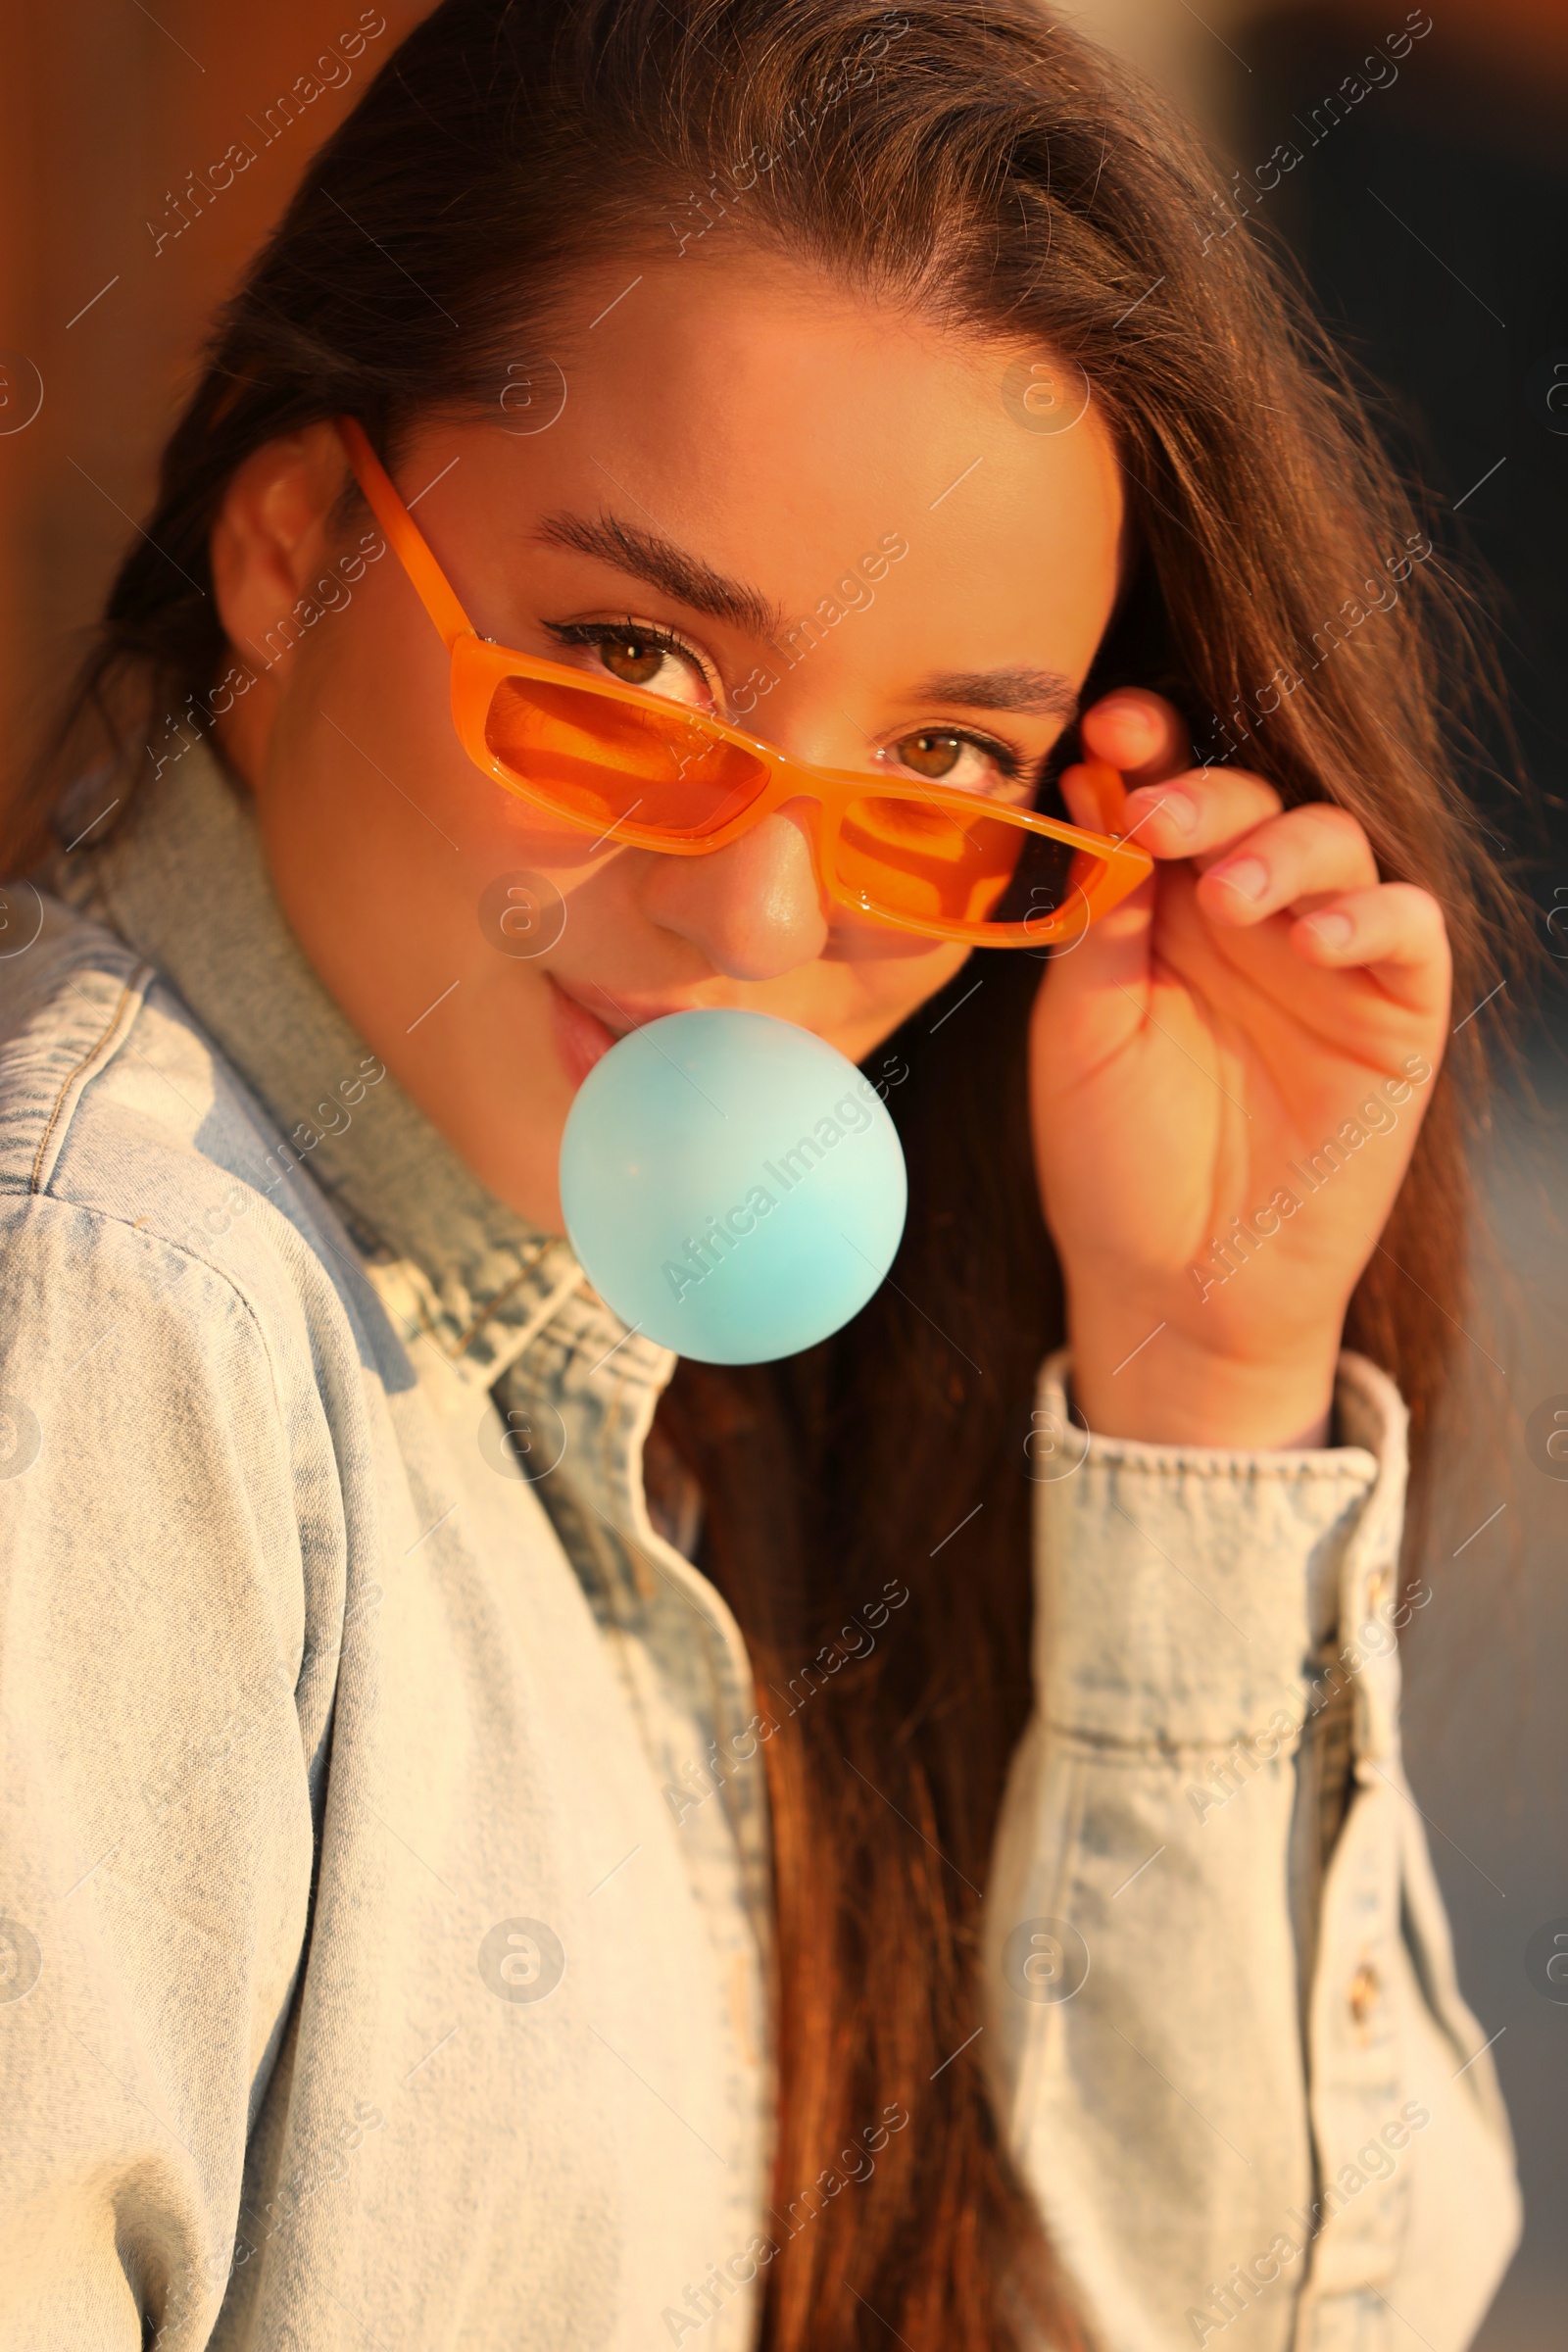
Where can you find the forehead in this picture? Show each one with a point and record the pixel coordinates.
(782, 425)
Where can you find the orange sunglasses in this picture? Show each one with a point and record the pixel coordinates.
(624, 764)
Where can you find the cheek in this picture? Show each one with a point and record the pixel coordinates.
(370, 706)
(499, 827)
(373, 680)
(874, 981)
(892, 968)
(377, 819)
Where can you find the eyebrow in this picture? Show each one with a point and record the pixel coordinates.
(650, 557)
(1038, 693)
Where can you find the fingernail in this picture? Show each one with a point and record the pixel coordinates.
(1334, 930)
(1132, 723)
(1178, 807)
(1248, 877)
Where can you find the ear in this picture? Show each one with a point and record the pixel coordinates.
(271, 534)
(270, 540)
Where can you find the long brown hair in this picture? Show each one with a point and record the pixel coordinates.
(977, 159)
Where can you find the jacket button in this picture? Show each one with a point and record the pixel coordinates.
(1364, 1990)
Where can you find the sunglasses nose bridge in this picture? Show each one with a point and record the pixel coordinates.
(800, 800)
(820, 800)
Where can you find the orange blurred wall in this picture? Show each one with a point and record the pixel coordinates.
(143, 152)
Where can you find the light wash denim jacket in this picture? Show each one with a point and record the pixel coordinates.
(385, 1873)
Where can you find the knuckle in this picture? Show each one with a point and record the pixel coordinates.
(1333, 825)
(1423, 911)
(1253, 797)
(1235, 803)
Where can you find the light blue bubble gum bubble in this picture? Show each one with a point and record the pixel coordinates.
(732, 1186)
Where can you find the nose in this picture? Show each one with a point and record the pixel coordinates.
(755, 909)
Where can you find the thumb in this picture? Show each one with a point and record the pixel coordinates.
(1101, 973)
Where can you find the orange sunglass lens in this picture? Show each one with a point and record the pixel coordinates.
(605, 762)
(915, 856)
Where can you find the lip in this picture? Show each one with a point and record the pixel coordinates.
(583, 1036)
(621, 1013)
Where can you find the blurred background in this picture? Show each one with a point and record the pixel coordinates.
(1427, 205)
(1427, 209)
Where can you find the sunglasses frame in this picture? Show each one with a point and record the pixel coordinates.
(479, 666)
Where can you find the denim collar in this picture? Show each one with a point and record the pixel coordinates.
(183, 879)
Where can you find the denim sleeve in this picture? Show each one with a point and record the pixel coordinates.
(158, 1828)
(1225, 2038)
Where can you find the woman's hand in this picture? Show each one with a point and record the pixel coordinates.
(1227, 1076)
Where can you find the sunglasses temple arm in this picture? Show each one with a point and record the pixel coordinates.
(403, 535)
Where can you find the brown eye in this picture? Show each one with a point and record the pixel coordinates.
(934, 757)
(634, 661)
(964, 763)
(645, 657)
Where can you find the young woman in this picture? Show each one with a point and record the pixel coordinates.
(515, 1841)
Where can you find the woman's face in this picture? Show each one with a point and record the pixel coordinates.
(744, 448)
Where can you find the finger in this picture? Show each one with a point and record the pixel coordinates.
(1197, 813)
(1396, 932)
(1137, 732)
(1308, 850)
(1094, 797)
